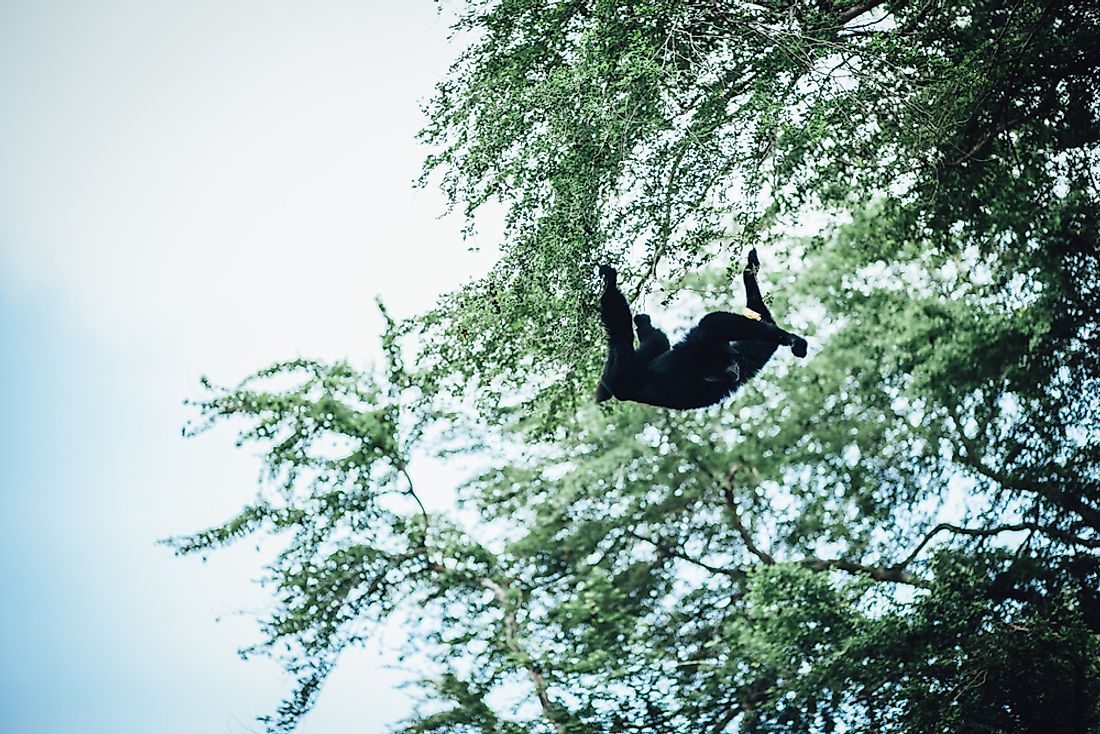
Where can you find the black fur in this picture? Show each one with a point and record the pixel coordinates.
(722, 352)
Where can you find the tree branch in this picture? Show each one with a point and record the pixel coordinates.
(878, 573)
(674, 552)
(725, 484)
(894, 574)
(985, 140)
(511, 638)
(739, 526)
(967, 451)
(857, 10)
(411, 491)
(986, 532)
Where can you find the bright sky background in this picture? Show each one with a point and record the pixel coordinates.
(187, 187)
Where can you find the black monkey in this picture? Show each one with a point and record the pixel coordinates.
(722, 352)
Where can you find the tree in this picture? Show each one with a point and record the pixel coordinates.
(899, 535)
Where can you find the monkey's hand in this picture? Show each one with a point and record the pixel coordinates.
(754, 261)
(610, 277)
(798, 348)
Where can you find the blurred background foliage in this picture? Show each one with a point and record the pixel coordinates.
(899, 534)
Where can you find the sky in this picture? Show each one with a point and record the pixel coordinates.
(188, 188)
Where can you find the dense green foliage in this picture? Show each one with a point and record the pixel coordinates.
(899, 534)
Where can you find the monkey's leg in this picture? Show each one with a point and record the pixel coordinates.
(615, 314)
(721, 326)
(752, 288)
(652, 342)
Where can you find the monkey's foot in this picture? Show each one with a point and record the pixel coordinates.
(798, 346)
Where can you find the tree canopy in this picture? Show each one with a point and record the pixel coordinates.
(900, 534)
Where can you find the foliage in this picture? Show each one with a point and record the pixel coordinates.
(653, 132)
(899, 534)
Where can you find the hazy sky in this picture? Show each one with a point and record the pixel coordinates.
(186, 187)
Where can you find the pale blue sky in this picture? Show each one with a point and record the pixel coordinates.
(186, 187)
